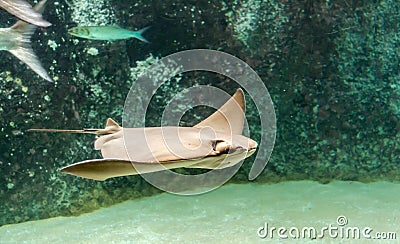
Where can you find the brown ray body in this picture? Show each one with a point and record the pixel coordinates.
(214, 143)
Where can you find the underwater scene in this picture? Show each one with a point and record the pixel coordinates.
(240, 121)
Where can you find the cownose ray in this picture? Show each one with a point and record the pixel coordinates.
(24, 11)
(16, 40)
(214, 143)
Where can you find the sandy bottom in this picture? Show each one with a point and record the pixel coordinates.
(232, 214)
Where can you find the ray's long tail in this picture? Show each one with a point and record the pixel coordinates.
(86, 131)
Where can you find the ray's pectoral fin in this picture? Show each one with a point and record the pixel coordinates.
(100, 169)
(230, 117)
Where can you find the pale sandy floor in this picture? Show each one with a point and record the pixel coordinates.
(231, 214)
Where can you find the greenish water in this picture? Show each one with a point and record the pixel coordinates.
(230, 214)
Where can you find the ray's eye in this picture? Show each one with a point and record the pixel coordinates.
(214, 144)
(222, 146)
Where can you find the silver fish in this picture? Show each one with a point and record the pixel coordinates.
(24, 11)
(107, 33)
(16, 40)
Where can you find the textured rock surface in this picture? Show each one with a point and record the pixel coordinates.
(331, 68)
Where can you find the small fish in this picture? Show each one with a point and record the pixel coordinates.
(16, 40)
(107, 33)
(24, 11)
